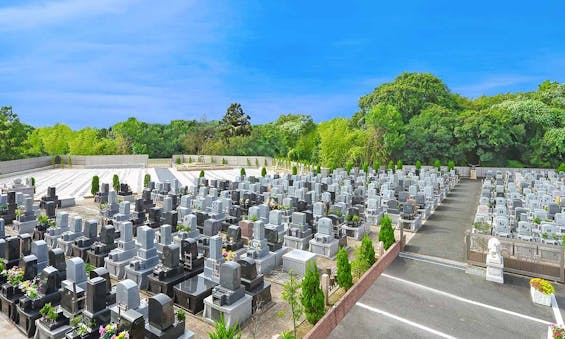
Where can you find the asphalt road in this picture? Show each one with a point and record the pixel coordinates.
(443, 233)
(415, 299)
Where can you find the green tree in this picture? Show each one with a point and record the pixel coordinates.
(431, 135)
(95, 186)
(387, 130)
(359, 265)
(242, 172)
(399, 164)
(312, 296)
(116, 182)
(339, 144)
(386, 232)
(201, 174)
(376, 165)
(235, 123)
(367, 251)
(294, 170)
(437, 164)
(263, 172)
(344, 278)
(418, 164)
(13, 134)
(291, 295)
(146, 179)
(391, 165)
(561, 168)
(450, 165)
(409, 93)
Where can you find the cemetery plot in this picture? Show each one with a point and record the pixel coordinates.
(216, 247)
(526, 212)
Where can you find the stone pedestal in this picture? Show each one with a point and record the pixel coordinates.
(9, 297)
(412, 224)
(22, 227)
(279, 254)
(47, 331)
(236, 313)
(355, 232)
(495, 262)
(143, 264)
(296, 242)
(265, 264)
(28, 311)
(120, 257)
(190, 294)
(297, 261)
(327, 249)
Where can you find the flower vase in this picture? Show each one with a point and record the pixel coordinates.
(540, 298)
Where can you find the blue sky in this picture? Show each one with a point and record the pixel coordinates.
(97, 62)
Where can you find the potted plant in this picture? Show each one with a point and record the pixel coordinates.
(556, 331)
(541, 291)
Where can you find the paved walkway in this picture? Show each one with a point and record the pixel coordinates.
(443, 233)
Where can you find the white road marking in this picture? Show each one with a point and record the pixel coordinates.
(556, 312)
(468, 301)
(405, 321)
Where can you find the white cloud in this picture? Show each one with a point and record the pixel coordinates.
(494, 82)
(55, 12)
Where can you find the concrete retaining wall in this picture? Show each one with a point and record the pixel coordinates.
(238, 161)
(20, 165)
(109, 161)
(325, 326)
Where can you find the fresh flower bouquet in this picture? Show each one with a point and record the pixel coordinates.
(14, 275)
(542, 286)
(228, 255)
(557, 331)
(30, 288)
(111, 332)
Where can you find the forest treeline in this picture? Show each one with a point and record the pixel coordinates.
(415, 117)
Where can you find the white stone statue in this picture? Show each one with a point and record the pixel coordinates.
(495, 262)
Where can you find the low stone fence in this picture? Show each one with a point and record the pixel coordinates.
(520, 257)
(230, 160)
(325, 326)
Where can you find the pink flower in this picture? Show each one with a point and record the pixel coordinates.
(102, 331)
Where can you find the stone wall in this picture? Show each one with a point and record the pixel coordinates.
(238, 161)
(21, 165)
(325, 326)
(110, 161)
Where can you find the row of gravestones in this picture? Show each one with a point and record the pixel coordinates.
(524, 205)
(192, 282)
(143, 266)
